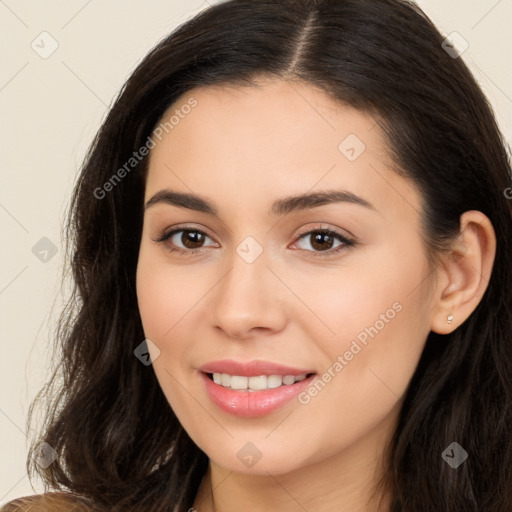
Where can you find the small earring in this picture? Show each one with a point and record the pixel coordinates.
(450, 319)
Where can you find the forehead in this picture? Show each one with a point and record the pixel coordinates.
(251, 144)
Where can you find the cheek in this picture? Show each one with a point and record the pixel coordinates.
(366, 294)
(165, 294)
(378, 321)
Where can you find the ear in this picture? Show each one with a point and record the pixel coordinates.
(464, 272)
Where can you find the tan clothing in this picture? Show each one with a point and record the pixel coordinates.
(49, 502)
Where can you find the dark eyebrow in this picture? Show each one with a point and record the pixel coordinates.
(183, 200)
(279, 207)
(311, 200)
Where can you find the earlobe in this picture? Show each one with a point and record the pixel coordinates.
(465, 272)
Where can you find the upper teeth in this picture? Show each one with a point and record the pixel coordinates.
(255, 383)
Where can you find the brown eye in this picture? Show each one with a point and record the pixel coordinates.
(185, 240)
(323, 241)
(192, 239)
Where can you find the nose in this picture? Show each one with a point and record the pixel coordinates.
(249, 300)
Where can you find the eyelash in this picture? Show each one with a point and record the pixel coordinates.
(345, 241)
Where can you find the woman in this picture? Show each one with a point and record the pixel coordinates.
(297, 212)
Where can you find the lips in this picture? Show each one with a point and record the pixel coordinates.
(222, 384)
(252, 368)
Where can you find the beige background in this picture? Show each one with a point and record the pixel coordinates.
(50, 109)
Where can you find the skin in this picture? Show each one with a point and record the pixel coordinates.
(242, 148)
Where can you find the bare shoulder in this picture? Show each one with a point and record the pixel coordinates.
(49, 502)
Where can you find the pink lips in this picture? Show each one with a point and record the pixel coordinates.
(252, 403)
(251, 369)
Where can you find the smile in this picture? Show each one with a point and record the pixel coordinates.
(254, 388)
(258, 383)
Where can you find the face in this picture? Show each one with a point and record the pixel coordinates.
(282, 277)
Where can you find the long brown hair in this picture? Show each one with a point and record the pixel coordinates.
(118, 442)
